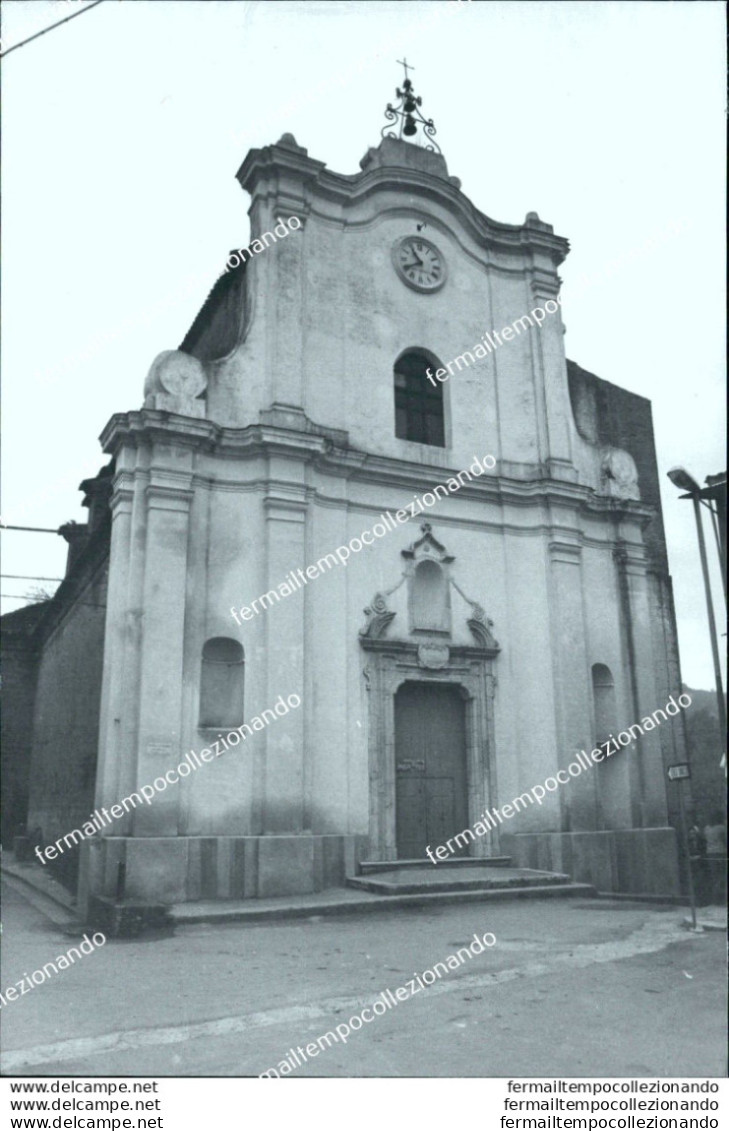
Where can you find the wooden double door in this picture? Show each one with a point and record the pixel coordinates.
(430, 767)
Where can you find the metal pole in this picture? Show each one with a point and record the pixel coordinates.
(720, 549)
(710, 610)
(687, 850)
(718, 497)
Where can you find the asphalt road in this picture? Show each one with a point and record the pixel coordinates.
(571, 987)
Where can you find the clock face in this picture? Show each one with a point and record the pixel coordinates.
(419, 263)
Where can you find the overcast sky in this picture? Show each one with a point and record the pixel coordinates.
(124, 128)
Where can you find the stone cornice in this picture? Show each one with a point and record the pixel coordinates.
(263, 175)
(458, 652)
(504, 489)
(169, 497)
(147, 426)
(294, 160)
(632, 559)
(565, 552)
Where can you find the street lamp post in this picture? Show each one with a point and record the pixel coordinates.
(685, 482)
(681, 479)
(715, 492)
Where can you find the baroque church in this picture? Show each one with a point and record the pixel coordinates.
(449, 666)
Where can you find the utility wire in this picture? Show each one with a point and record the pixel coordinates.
(57, 24)
(42, 600)
(23, 597)
(29, 577)
(38, 529)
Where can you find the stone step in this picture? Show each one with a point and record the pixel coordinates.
(344, 901)
(416, 881)
(368, 867)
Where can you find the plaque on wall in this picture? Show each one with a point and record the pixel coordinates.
(433, 655)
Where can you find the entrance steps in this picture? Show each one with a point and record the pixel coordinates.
(465, 874)
(368, 867)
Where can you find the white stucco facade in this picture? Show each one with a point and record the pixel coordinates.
(268, 442)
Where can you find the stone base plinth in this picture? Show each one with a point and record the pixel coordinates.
(631, 861)
(126, 920)
(167, 870)
(23, 849)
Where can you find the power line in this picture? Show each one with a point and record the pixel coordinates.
(29, 577)
(57, 24)
(42, 600)
(23, 597)
(38, 529)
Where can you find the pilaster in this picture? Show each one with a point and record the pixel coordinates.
(572, 690)
(283, 770)
(119, 709)
(648, 787)
(554, 412)
(160, 739)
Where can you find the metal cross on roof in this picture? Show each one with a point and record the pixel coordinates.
(409, 114)
(404, 63)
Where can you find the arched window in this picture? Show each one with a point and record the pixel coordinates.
(603, 693)
(429, 597)
(418, 403)
(221, 683)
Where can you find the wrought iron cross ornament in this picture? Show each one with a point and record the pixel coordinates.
(409, 113)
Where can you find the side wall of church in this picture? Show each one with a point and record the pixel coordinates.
(19, 663)
(66, 720)
(607, 414)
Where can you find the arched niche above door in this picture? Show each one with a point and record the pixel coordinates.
(430, 584)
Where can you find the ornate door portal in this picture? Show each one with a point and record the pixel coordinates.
(430, 767)
(430, 684)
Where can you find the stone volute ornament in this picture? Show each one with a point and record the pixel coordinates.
(480, 626)
(175, 383)
(378, 617)
(619, 474)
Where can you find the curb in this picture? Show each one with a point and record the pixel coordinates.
(51, 910)
(627, 897)
(182, 917)
(705, 925)
(41, 885)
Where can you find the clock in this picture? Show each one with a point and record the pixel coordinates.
(419, 263)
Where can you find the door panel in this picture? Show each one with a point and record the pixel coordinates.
(410, 808)
(430, 762)
(441, 819)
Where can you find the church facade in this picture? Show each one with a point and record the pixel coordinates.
(456, 657)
